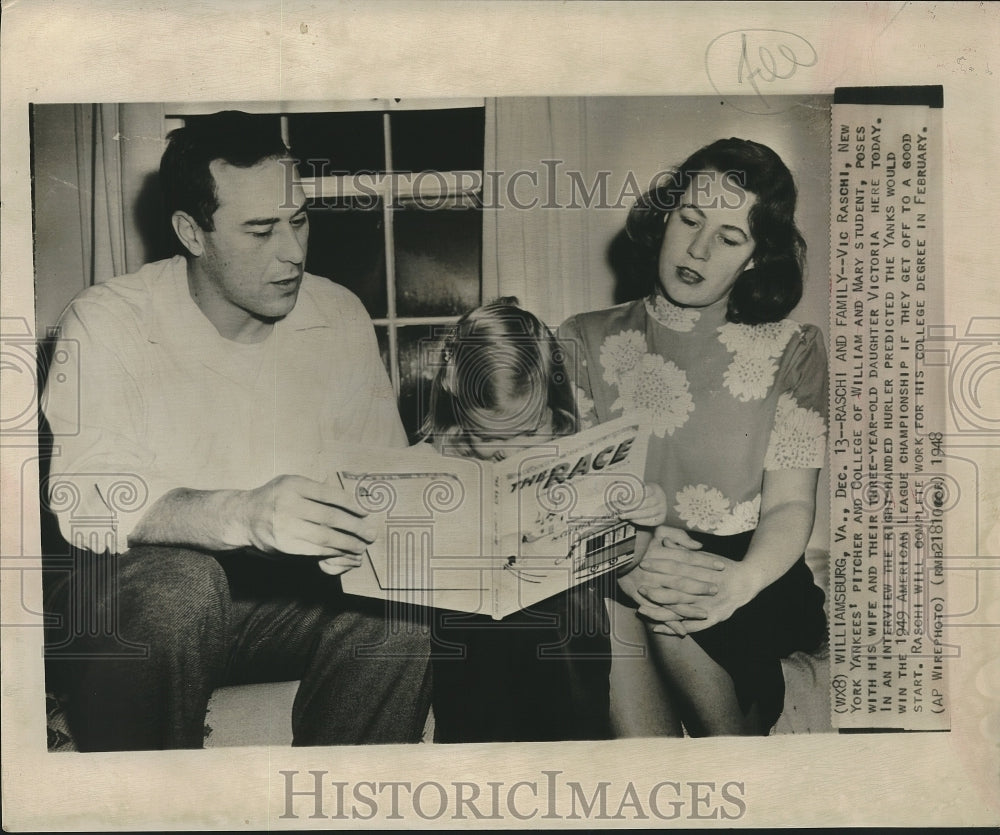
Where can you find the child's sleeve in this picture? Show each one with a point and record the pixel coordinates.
(798, 436)
(572, 344)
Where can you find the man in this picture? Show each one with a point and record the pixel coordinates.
(230, 382)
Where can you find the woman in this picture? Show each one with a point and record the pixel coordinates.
(735, 395)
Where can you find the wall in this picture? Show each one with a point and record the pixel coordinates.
(58, 226)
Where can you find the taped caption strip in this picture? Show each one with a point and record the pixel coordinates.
(889, 491)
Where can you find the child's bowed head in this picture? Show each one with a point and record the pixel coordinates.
(501, 382)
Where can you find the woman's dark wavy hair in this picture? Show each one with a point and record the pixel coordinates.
(768, 291)
(496, 354)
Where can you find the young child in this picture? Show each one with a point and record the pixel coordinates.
(542, 673)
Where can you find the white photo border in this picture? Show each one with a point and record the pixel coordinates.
(278, 51)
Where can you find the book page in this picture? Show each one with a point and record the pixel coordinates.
(433, 548)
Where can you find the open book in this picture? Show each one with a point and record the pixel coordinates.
(493, 538)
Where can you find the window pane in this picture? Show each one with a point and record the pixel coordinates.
(438, 140)
(350, 142)
(348, 246)
(419, 349)
(270, 122)
(438, 259)
(382, 335)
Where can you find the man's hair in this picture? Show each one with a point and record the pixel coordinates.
(237, 138)
(769, 290)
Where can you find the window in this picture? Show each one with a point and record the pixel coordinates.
(395, 215)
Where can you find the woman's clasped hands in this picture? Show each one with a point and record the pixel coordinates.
(680, 588)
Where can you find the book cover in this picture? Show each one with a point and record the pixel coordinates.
(495, 537)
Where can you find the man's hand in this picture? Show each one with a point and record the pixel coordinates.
(296, 515)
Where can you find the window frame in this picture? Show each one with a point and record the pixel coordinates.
(387, 187)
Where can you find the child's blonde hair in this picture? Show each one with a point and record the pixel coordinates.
(496, 355)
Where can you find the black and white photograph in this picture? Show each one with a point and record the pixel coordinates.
(155, 441)
(395, 447)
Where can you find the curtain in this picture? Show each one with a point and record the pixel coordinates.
(97, 204)
(536, 244)
(99, 167)
(117, 148)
